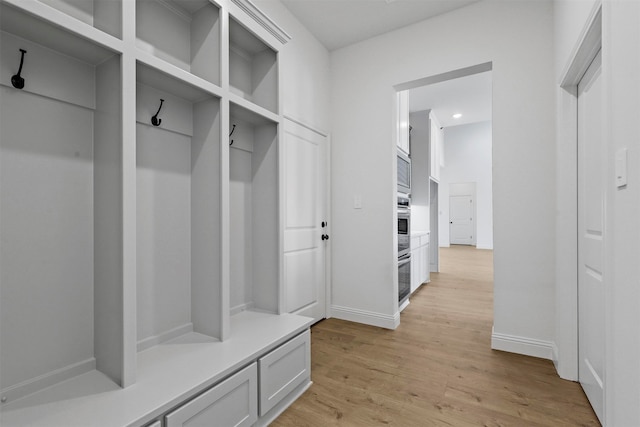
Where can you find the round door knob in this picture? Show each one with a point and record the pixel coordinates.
(325, 237)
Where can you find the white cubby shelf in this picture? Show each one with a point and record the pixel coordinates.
(253, 67)
(59, 191)
(140, 264)
(178, 210)
(184, 33)
(254, 206)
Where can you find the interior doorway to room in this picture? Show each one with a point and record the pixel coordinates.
(451, 149)
(450, 144)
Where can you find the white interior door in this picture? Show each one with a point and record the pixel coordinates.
(305, 221)
(461, 223)
(591, 236)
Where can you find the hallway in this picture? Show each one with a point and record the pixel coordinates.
(437, 368)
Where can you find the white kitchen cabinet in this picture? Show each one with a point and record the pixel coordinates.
(115, 201)
(436, 147)
(419, 259)
(416, 264)
(425, 247)
(233, 402)
(403, 121)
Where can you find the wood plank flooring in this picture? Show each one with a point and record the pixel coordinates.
(437, 368)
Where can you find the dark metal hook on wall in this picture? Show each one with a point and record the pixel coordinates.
(233, 129)
(17, 81)
(155, 120)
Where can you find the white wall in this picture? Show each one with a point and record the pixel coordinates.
(620, 68)
(517, 38)
(304, 68)
(467, 156)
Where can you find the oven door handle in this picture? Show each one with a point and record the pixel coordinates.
(404, 260)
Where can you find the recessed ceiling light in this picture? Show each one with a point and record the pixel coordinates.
(457, 115)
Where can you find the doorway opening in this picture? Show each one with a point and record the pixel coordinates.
(450, 124)
(450, 143)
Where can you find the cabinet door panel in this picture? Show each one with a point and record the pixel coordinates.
(233, 402)
(425, 259)
(284, 369)
(416, 267)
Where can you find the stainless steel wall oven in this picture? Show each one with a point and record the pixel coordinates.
(404, 246)
(404, 277)
(404, 225)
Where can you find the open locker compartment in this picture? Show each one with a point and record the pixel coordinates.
(104, 15)
(178, 212)
(254, 213)
(61, 302)
(253, 67)
(184, 33)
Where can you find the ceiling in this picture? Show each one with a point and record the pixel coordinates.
(469, 96)
(339, 23)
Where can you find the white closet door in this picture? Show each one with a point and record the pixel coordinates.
(304, 165)
(591, 236)
(461, 224)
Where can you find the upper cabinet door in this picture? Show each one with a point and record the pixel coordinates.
(436, 148)
(403, 121)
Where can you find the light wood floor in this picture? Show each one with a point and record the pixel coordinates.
(437, 368)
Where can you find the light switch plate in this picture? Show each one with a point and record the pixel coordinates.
(621, 168)
(357, 201)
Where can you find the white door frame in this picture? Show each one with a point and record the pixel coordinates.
(327, 183)
(566, 349)
(592, 234)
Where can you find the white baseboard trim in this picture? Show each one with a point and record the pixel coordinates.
(555, 355)
(367, 317)
(46, 380)
(485, 247)
(522, 345)
(165, 336)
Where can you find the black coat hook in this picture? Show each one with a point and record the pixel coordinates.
(17, 81)
(233, 129)
(155, 120)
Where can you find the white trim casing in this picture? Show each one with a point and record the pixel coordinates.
(267, 23)
(366, 317)
(522, 345)
(566, 333)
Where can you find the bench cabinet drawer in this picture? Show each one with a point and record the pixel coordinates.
(233, 402)
(284, 369)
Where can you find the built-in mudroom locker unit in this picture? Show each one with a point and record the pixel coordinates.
(140, 216)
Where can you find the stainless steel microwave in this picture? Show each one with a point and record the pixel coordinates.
(404, 173)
